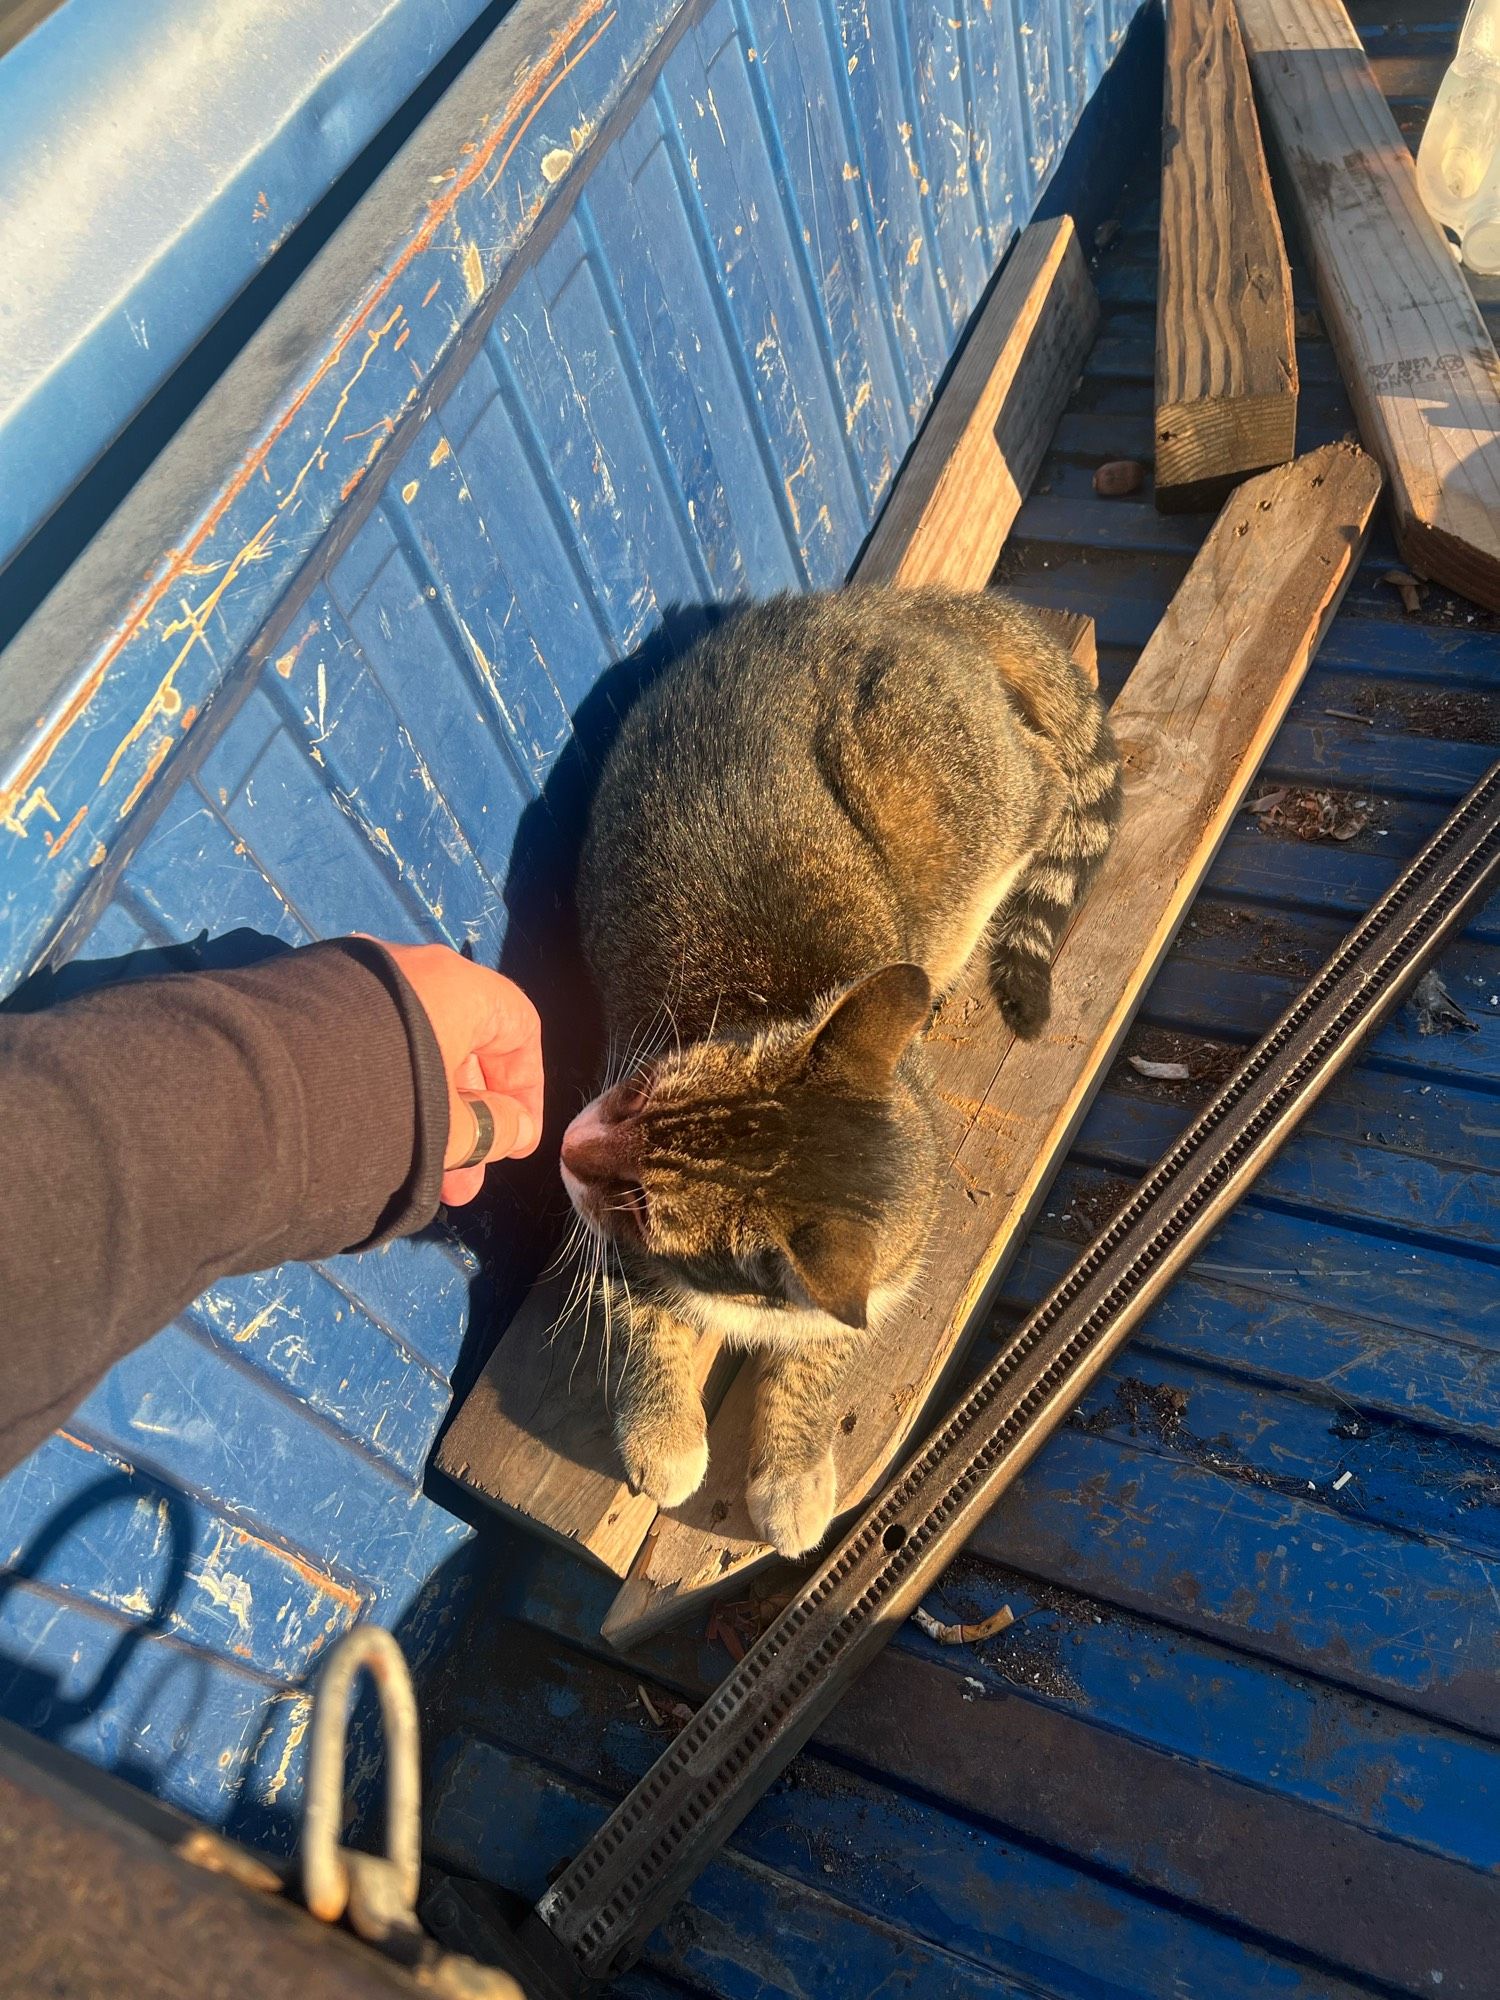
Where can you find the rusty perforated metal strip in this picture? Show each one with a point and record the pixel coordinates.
(625, 1880)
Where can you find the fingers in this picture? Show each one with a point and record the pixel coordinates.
(489, 1036)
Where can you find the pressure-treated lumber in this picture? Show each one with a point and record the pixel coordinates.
(1193, 722)
(963, 483)
(1418, 363)
(1226, 358)
(533, 1437)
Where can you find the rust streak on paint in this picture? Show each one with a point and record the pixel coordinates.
(571, 64)
(525, 102)
(345, 1595)
(287, 660)
(432, 291)
(56, 843)
(167, 701)
(154, 763)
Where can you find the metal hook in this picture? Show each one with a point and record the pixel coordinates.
(378, 1892)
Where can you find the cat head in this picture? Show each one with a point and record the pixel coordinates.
(787, 1166)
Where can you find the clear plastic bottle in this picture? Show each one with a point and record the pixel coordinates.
(1458, 162)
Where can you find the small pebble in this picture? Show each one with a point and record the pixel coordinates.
(1119, 476)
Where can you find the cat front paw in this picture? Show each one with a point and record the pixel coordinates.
(666, 1460)
(792, 1510)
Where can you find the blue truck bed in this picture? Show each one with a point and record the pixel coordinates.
(1244, 1735)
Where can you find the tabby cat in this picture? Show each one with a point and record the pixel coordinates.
(802, 831)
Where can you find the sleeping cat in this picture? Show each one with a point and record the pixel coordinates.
(801, 833)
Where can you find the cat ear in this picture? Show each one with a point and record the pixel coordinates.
(869, 1026)
(835, 1262)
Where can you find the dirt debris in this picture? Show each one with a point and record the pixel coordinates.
(1274, 944)
(1092, 1206)
(1437, 1012)
(1118, 477)
(1305, 814)
(1143, 1408)
(963, 1634)
(1173, 1068)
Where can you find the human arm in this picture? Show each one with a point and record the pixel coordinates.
(166, 1133)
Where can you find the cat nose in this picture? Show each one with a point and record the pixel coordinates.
(593, 1150)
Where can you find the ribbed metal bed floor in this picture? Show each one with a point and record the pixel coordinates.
(1244, 1737)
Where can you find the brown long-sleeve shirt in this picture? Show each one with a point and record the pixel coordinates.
(168, 1132)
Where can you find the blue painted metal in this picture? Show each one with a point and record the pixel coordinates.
(1266, 1554)
(644, 318)
(126, 232)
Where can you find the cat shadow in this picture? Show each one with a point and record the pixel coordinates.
(516, 1226)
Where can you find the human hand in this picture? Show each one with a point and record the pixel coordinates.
(490, 1039)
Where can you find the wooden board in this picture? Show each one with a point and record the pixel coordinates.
(533, 1436)
(1226, 358)
(1418, 363)
(963, 483)
(1193, 721)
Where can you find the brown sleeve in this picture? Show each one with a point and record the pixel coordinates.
(168, 1132)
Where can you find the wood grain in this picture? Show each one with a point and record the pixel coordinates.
(1415, 355)
(1226, 359)
(533, 1437)
(963, 483)
(1193, 722)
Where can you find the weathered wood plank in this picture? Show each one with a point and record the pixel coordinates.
(533, 1438)
(1226, 357)
(1193, 722)
(1419, 364)
(978, 452)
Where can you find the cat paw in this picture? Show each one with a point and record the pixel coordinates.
(792, 1510)
(666, 1460)
(1025, 998)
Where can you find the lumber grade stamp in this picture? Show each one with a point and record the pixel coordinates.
(965, 478)
(1226, 358)
(1194, 720)
(1415, 355)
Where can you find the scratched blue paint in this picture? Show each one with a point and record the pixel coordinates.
(941, 154)
(312, 677)
(827, 228)
(876, 108)
(383, 782)
(134, 1547)
(171, 1719)
(324, 1347)
(1008, 1908)
(636, 202)
(186, 1412)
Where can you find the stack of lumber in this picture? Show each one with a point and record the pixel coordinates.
(1414, 352)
